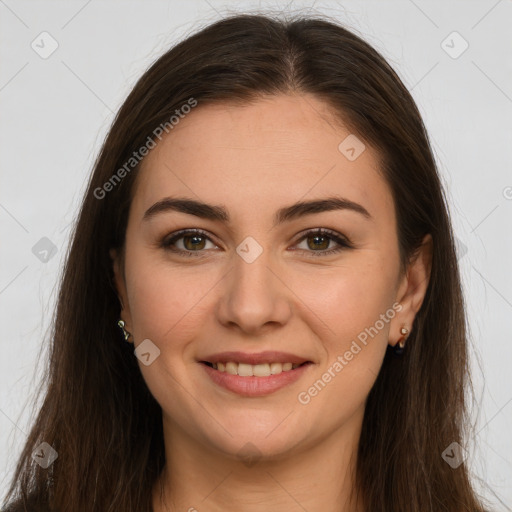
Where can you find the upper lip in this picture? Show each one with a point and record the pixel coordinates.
(268, 356)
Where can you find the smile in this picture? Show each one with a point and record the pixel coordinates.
(254, 380)
(253, 370)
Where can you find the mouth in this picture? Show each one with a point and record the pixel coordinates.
(253, 375)
(253, 370)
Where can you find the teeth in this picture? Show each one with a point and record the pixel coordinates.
(276, 368)
(232, 368)
(256, 370)
(261, 370)
(245, 370)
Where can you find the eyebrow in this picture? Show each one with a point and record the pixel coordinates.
(288, 213)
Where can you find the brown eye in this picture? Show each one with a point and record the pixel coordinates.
(192, 241)
(318, 242)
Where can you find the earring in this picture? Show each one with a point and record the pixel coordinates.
(126, 334)
(398, 349)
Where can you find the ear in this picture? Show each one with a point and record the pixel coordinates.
(412, 288)
(120, 285)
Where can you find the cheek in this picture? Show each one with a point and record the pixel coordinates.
(355, 309)
(351, 297)
(166, 299)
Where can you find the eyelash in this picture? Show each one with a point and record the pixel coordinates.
(343, 242)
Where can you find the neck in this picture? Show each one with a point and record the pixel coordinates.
(319, 477)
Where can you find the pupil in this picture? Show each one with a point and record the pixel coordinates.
(317, 245)
(194, 244)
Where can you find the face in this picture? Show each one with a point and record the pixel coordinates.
(313, 286)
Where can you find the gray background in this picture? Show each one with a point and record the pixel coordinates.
(55, 112)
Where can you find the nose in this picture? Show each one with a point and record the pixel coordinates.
(254, 296)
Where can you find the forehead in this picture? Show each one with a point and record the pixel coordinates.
(273, 151)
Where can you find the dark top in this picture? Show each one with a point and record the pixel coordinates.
(31, 506)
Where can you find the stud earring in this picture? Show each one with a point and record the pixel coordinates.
(126, 334)
(398, 349)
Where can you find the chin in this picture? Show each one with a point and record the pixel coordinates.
(247, 440)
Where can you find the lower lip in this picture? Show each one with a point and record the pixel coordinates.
(255, 386)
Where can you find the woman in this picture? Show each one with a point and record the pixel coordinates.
(261, 308)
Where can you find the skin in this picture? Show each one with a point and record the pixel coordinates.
(253, 160)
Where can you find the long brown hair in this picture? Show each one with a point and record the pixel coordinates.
(98, 413)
